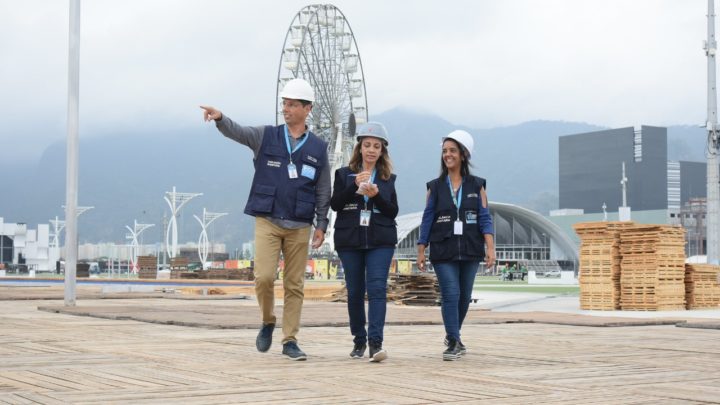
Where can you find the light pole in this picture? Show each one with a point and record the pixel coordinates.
(136, 231)
(713, 144)
(176, 201)
(207, 219)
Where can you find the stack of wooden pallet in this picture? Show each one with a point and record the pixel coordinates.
(414, 289)
(147, 267)
(241, 274)
(340, 295)
(599, 272)
(82, 270)
(405, 289)
(217, 274)
(178, 265)
(652, 276)
(702, 286)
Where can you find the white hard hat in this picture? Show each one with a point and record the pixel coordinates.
(372, 129)
(298, 89)
(462, 137)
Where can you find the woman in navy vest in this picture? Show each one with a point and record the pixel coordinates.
(366, 234)
(458, 226)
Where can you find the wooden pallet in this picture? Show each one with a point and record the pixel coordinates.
(702, 286)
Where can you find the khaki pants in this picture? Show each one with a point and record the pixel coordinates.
(270, 240)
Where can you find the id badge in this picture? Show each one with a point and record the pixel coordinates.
(458, 228)
(292, 171)
(365, 217)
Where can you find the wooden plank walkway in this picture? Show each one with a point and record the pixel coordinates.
(52, 358)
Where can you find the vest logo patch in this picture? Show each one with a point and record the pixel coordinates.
(311, 158)
(472, 195)
(273, 163)
(470, 217)
(443, 218)
(350, 207)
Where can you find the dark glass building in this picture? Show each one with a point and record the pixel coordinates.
(590, 169)
(6, 249)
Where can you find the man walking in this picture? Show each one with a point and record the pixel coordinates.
(291, 186)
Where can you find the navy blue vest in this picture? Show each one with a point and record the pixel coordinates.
(444, 244)
(274, 194)
(382, 231)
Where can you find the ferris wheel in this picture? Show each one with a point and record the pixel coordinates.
(320, 47)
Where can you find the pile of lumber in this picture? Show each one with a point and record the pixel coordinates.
(216, 274)
(147, 267)
(339, 295)
(178, 266)
(414, 289)
(599, 267)
(82, 270)
(652, 268)
(702, 286)
(245, 274)
(404, 289)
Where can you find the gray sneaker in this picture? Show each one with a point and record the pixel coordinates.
(358, 351)
(377, 353)
(292, 351)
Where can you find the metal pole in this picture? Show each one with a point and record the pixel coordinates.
(713, 177)
(71, 175)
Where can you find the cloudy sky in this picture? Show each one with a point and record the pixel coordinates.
(147, 64)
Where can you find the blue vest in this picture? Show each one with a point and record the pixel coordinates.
(273, 193)
(444, 244)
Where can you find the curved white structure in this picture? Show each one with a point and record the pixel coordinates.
(515, 227)
(135, 231)
(59, 225)
(176, 201)
(207, 219)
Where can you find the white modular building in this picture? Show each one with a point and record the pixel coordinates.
(31, 247)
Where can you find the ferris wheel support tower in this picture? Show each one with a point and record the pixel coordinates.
(320, 47)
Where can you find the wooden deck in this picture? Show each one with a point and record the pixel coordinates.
(55, 358)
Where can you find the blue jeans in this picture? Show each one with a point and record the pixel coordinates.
(456, 280)
(366, 270)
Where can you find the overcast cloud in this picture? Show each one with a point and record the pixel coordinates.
(149, 63)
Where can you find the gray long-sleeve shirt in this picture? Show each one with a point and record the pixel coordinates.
(252, 137)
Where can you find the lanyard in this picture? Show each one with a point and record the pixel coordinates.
(372, 180)
(287, 143)
(457, 199)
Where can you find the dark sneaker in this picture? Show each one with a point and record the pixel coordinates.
(377, 353)
(461, 346)
(358, 351)
(264, 337)
(452, 352)
(292, 351)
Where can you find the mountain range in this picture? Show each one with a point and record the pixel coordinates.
(125, 175)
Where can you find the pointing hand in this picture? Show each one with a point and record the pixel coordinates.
(211, 113)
